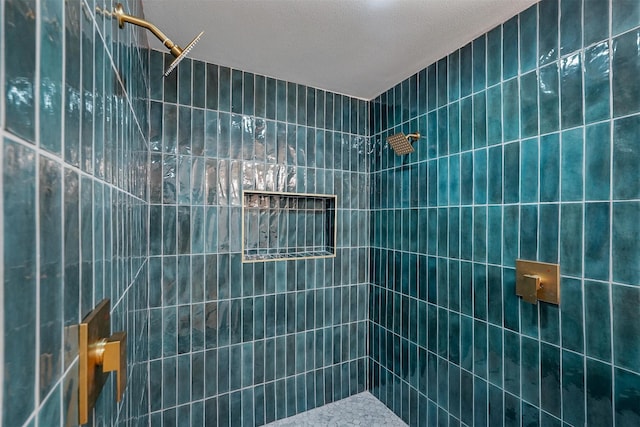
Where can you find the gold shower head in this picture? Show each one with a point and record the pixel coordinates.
(177, 51)
(401, 143)
(183, 54)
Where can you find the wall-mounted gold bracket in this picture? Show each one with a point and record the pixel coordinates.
(538, 281)
(99, 355)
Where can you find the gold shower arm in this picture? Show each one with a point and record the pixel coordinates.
(123, 17)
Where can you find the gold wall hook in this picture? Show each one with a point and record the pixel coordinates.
(100, 353)
(538, 281)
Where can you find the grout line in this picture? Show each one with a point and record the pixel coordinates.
(38, 247)
(581, 53)
(560, 209)
(63, 93)
(538, 219)
(147, 307)
(2, 147)
(610, 121)
(2, 224)
(3, 108)
(81, 7)
(94, 183)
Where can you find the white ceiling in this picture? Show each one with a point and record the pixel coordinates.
(354, 47)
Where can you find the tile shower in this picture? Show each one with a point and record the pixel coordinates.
(74, 205)
(117, 183)
(530, 152)
(251, 342)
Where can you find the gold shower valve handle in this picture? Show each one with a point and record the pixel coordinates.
(100, 353)
(530, 288)
(538, 281)
(111, 353)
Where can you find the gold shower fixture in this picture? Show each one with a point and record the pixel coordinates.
(401, 143)
(176, 51)
(100, 353)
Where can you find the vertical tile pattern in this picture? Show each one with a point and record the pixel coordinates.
(20, 68)
(20, 267)
(74, 205)
(88, 213)
(244, 333)
(556, 184)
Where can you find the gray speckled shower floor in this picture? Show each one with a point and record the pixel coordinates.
(358, 410)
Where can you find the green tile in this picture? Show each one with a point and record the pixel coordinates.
(625, 66)
(19, 228)
(625, 330)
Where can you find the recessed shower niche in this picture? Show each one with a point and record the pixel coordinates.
(280, 226)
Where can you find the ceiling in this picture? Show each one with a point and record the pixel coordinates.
(359, 48)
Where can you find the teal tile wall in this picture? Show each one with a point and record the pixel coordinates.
(130, 188)
(74, 205)
(530, 149)
(233, 343)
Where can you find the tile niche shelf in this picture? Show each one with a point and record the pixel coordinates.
(282, 226)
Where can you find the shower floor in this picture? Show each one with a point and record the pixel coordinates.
(358, 410)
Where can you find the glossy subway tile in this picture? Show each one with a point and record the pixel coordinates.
(438, 230)
(197, 186)
(88, 223)
(549, 182)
